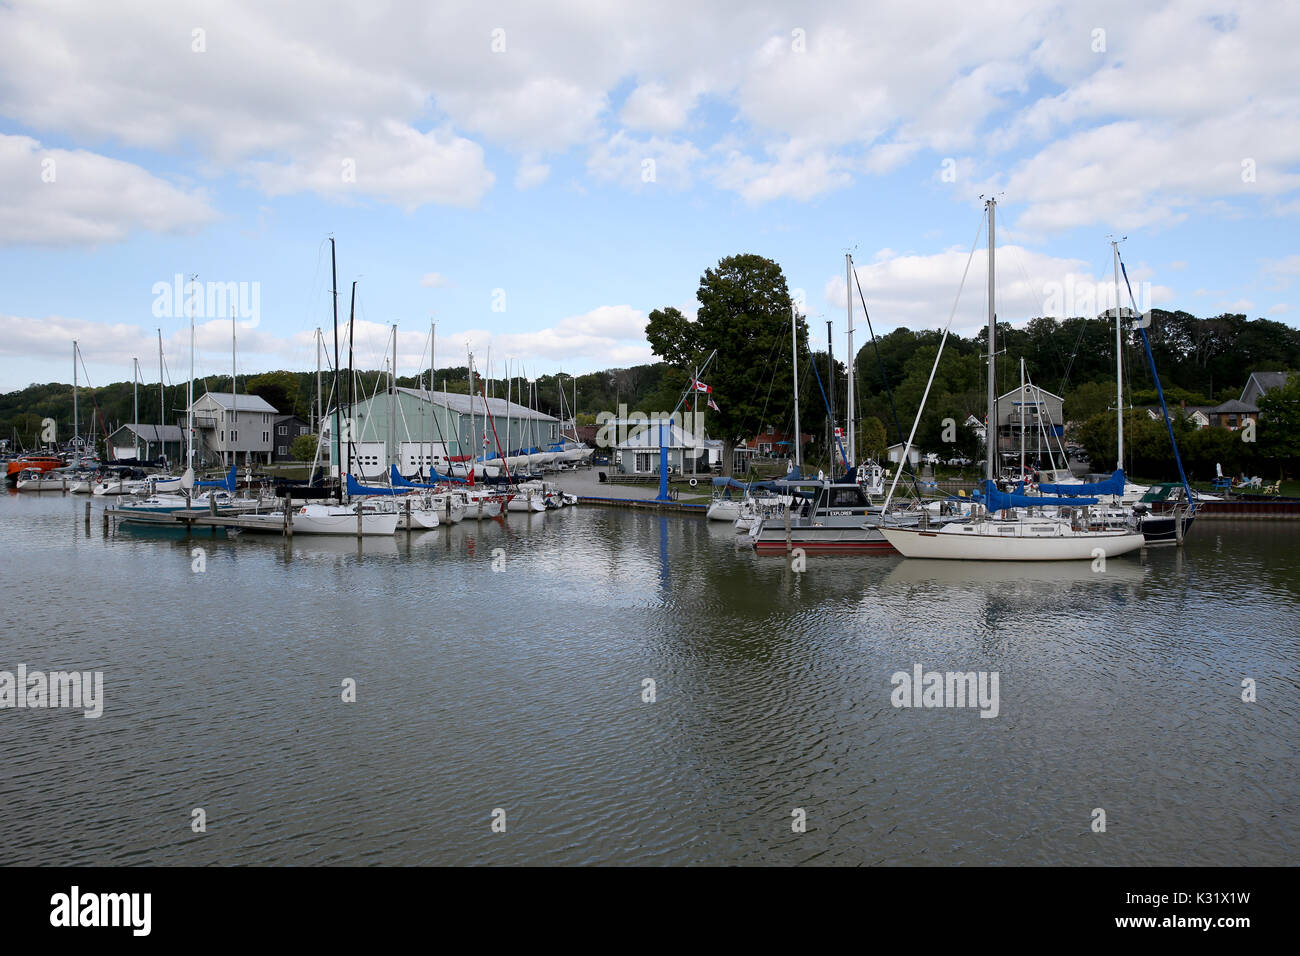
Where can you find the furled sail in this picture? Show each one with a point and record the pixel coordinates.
(996, 500)
(1114, 485)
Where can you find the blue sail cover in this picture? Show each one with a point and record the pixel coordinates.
(358, 489)
(1114, 485)
(1000, 500)
(733, 483)
(397, 481)
(228, 483)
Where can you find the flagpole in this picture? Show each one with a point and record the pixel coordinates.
(695, 417)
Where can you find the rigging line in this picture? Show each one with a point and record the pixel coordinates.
(990, 429)
(884, 378)
(1020, 261)
(94, 401)
(744, 422)
(1038, 395)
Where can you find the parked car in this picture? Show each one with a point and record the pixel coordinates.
(958, 462)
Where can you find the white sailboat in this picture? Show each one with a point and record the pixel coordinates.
(1011, 527)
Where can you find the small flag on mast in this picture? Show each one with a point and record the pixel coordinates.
(699, 386)
(713, 405)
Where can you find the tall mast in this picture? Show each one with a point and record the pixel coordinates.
(335, 436)
(234, 387)
(1119, 366)
(162, 405)
(189, 387)
(850, 412)
(392, 400)
(991, 429)
(1022, 417)
(135, 404)
(352, 384)
(695, 417)
(794, 361)
(317, 409)
(830, 358)
(76, 425)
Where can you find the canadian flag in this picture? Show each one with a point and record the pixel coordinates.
(700, 386)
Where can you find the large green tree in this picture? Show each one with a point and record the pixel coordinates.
(745, 313)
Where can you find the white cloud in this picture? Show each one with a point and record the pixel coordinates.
(392, 162)
(531, 173)
(434, 280)
(605, 337)
(651, 106)
(642, 163)
(793, 172)
(918, 291)
(75, 196)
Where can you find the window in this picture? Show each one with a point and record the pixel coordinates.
(234, 436)
(263, 418)
(266, 438)
(643, 460)
(282, 429)
(282, 451)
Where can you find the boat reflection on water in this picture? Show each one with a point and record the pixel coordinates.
(1029, 574)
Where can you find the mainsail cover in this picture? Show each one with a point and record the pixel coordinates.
(359, 490)
(996, 500)
(227, 482)
(1114, 485)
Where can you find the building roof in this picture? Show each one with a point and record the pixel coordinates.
(1234, 406)
(151, 433)
(241, 403)
(1031, 390)
(1267, 381)
(460, 404)
(649, 438)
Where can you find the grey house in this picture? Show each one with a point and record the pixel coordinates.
(288, 428)
(232, 429)
(153, 441)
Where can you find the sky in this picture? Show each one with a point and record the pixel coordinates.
(536, 178)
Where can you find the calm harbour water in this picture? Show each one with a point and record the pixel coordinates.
(522, 689)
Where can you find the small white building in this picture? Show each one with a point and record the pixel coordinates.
(638, 454)
(896, 454)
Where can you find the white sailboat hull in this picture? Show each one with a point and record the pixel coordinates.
(323, 519)
(917, 543)
(724, 511)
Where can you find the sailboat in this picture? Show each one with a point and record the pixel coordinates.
(1128, 505)
(1024, 531)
